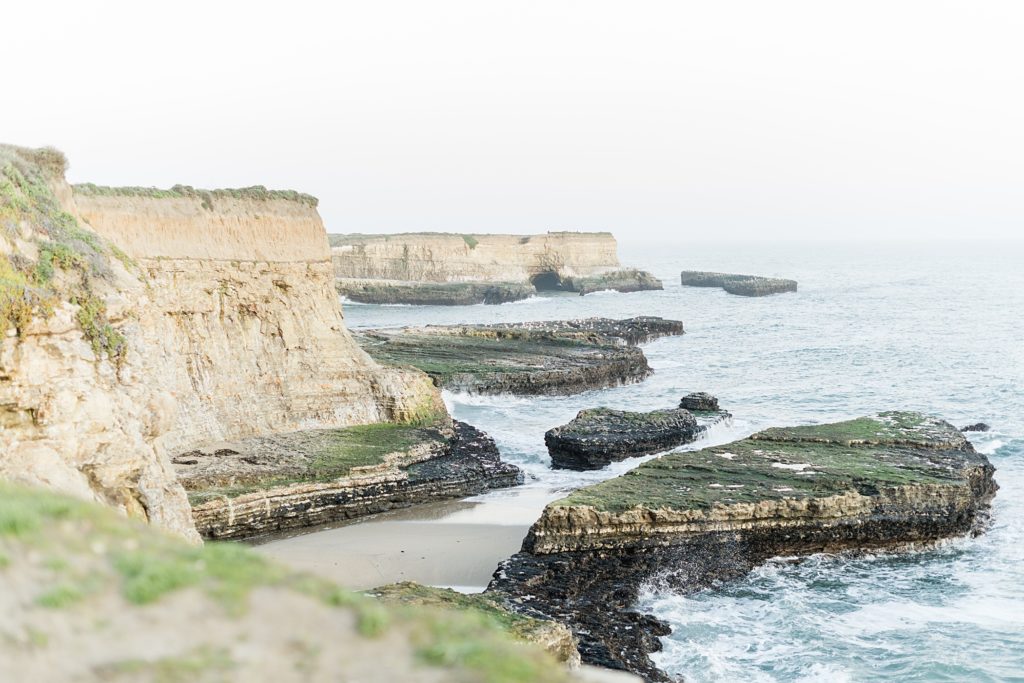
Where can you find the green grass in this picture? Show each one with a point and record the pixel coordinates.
(470, 241)
(207, 197)
(196, 664)
(60, 596)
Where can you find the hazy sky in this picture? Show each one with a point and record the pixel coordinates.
(655, 120)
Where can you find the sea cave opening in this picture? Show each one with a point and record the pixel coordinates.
(547, 282)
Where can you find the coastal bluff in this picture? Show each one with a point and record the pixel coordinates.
(139, 323)
(391, 268)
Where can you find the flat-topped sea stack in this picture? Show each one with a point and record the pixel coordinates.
(690, 519)
(446, 268)
(557, 357)
(599, 436)
(743, 285)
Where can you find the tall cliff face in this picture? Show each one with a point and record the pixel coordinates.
(140, 323)
(440, 257)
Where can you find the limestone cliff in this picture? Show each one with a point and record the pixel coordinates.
(139, 322)
(443, 257)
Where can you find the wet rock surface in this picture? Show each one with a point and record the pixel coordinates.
(629, 280)
(689, 520)
(599, 436)
(976, 427)
(556, 357)
(699, 401)
(432, 293)
(742, 285)
(285, 481)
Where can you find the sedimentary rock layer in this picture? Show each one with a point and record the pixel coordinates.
(743, 285)
(432, 293)
(560, 357)
(690, 519)
(599, 436)
(285, 481)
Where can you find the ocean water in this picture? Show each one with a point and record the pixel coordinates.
(937, 328)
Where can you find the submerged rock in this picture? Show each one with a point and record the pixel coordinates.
(691, 519)
(557, 357)
(699, 401)
(976, 427)
(433, 293)
(743, 285)
(268, 484)
(599, 436)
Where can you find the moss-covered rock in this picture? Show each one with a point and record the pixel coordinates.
(90, 596)
(889, 481)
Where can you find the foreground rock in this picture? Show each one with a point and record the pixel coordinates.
(692, 519)
(743, 285)
(560, 357)
(433, 293)
(447, 268)
(599, 436)
(269, 484)
(89, 596)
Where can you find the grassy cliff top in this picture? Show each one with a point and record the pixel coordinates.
(340, 239)
(207, 197)
(102, 598)
(890, 449)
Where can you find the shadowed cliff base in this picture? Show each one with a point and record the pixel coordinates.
(558, 357)
(742, 285)
(264, 485)
(688, 520)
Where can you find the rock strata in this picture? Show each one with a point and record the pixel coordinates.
(699, 401)
(268, 484)
(599, 436)
(742, 285)
(433, 293)
(689, 520)
(561, 357)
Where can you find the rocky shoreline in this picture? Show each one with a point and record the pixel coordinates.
(270, 484)
(689, 520)
(741, 285)
(432, 293)
(558, 357)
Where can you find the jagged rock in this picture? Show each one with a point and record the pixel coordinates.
(695, 518)
(699, 401)
(976, 427)
(599, 436)
(89, 596)
(284, 481)
(556, 638)
(743, 285)
(559, 357)
(432, 293)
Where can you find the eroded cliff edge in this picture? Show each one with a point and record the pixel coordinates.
(143, 322)
(688, 520)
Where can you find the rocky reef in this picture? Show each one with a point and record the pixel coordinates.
(433, 293)
(137, 323)
(91, 596)
(267, 484)
(688, 520)
(743, 285)
(446, 268)
(599, 436)
(559, 357)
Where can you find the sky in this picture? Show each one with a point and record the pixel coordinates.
(659, 121)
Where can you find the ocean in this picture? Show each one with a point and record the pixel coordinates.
(937, 328)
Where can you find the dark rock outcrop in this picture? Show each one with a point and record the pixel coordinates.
(269, 484)
(976, 427)
(688, 520)
(599, 436)
(629, 280)
(743, 285)
(699, 401)
(559, 357)
(432, 293)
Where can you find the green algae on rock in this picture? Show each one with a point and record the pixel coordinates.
(90, 596)
(889, 481)
(557, 357)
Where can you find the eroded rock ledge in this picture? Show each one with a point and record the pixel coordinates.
(599, 436)
(690, 519)
(558, 357)
(432, 293)
(268, 484)
(743, 285)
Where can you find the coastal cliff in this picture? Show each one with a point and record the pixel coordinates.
(138, 323)
(412, 267)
